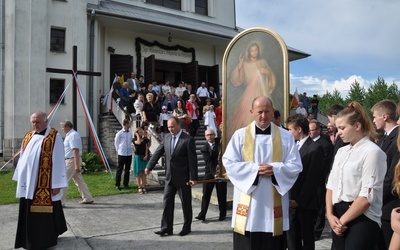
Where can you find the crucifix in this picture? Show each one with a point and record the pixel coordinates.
(74, 89)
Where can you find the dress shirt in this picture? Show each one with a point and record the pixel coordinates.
(179, 91)
(357, 171)
(301, 142)
(72, 140)
(156, 89)
(390, 131)
(301, 111)
(123, 142)
(202, 92)
(317, 138)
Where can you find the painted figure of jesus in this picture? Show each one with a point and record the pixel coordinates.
(254, 72)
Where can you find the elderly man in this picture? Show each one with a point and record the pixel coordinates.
(73, 153)
(41, 176)
(301, 110)
(210, 152)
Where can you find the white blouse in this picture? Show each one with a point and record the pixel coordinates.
(359, 170)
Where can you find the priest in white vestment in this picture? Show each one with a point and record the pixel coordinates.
(260, 176)
(39, 224)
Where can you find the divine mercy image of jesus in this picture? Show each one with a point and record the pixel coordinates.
(254, 68)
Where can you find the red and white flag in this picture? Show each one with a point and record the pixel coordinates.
(295, 100)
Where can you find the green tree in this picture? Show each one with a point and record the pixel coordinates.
(356, 93)
(330, 98)
(378, 91)
(394, 93)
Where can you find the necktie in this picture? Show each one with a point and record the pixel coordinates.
(212, 146)
(173, 144)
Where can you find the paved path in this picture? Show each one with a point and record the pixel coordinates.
(128, 221)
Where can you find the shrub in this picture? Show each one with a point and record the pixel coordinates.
(91, 162)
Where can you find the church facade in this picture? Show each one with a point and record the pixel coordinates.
(160, 39)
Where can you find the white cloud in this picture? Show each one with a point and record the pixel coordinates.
(313, 85)
(358, 37)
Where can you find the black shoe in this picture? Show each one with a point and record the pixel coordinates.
(184, 232)
(117, 188)
(163, 232)
(127, 187)
(222, 218)
(200, 218)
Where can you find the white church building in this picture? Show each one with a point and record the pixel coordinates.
(160, 39)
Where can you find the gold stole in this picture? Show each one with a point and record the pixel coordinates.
(244, 199)
(42, 202)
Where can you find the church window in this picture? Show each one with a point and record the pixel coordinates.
(56, 89)
(57, 40)
(173, 4)
(201, 7)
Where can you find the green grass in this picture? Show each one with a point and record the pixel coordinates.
(99, 184)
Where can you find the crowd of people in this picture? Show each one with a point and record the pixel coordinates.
(288, 180)
(155, 102)
(308, 107)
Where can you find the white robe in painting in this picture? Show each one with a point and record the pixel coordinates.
(26, 172)
(242, 175)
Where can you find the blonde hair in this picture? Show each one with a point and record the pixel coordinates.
(355, 113)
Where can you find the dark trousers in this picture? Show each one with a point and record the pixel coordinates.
(301, 233)
(124, 163)
(221, 194)
(361, 233)
(203, 102)
(194, 125)
(185, 194)
(320, 216)
(258, 241)
(314, 111)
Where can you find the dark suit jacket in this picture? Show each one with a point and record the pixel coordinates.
(304, 190)
(389, 146)
(186, 94)
(328, 155)
(130, 82)
(181, 166)
(211, 159)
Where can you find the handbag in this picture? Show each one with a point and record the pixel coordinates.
(188, 120)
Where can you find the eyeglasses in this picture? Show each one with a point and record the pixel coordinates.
(210, 134)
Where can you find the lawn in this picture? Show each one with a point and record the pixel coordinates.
(100, 184)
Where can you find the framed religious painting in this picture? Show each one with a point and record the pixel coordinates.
(255, 64)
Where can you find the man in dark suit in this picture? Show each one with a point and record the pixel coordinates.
(303, 201)
(181, 173)
(210, 152)
(315, 134)
(186, 94)
(385, 117)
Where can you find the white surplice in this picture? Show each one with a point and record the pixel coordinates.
(242, 175)
(26, 172)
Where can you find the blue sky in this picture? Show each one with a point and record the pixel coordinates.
(348, 40)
